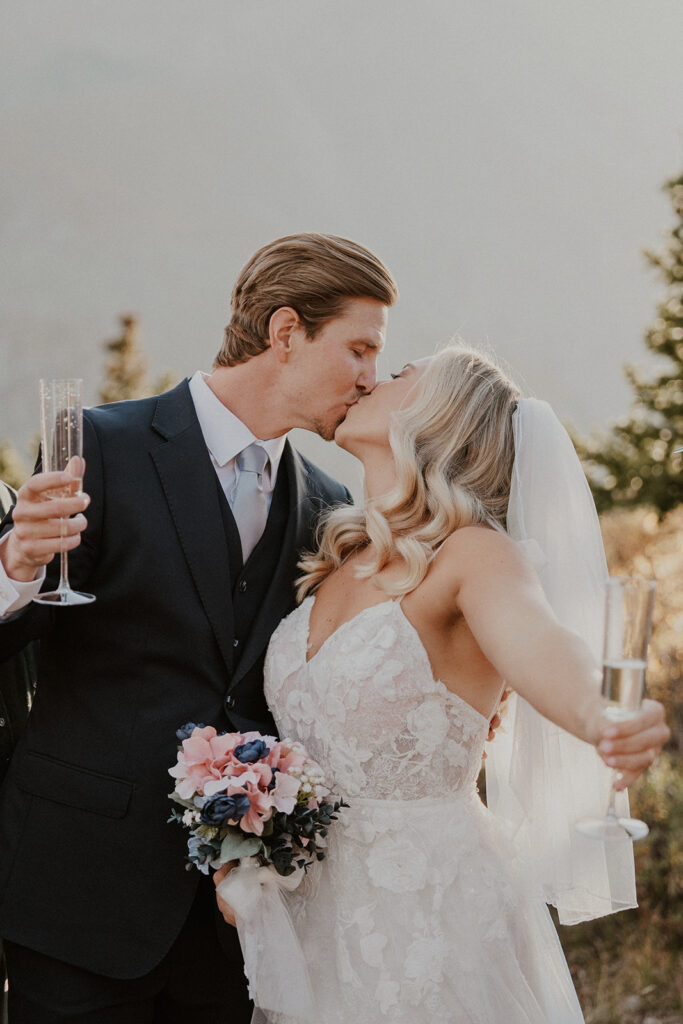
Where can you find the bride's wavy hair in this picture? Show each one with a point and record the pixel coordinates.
(453, 448)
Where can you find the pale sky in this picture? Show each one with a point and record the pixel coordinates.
(503, 157)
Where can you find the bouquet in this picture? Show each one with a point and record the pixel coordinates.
(263, 802)
(247, 795)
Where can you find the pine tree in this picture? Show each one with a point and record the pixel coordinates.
(13, 470)
(126, 369)
(636, 463)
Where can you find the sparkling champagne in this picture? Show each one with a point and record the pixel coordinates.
(622, 688)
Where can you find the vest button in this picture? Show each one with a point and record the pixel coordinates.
(242, 586)
(2, 723)
(235, 643)
(229, 701)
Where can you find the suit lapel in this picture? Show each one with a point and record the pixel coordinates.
(280, 597)
(188, 480)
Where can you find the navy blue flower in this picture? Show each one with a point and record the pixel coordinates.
(252, 751)
(186, 731)
(220, 809)
(200, 851)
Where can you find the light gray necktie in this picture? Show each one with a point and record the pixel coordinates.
(250, 502)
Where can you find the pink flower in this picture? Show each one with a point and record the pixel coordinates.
(203, 759)
(260, 810)
(284, 758)
(285, 792)
(258, 775)
(206, 766)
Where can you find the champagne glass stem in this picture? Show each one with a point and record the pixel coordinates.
(63, 561)
(611, 813)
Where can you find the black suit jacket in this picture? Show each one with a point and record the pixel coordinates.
(90, 871)
(17, 679)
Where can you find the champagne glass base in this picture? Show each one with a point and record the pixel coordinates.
(611, 828)
(64, 598)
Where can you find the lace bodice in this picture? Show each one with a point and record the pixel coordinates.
(369, 710)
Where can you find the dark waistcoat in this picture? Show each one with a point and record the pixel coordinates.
(250, 584)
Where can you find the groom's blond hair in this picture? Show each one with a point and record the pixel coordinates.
(314, 274)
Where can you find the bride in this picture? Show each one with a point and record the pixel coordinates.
(416, 611)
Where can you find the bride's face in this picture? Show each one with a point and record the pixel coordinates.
(368, 421)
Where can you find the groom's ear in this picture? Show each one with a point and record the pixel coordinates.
(283, 328)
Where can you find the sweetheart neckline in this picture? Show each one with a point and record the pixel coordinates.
(380, 604)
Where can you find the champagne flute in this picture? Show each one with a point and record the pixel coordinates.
(61, 418)
(628, 620)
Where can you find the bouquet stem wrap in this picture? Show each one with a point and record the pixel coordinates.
(274, 962)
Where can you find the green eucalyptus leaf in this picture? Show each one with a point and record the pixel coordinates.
(179, 800)
(235, 846)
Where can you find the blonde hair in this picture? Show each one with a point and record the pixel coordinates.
(453, 448)
(314, 274)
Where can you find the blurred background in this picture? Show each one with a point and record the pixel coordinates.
(509, 161)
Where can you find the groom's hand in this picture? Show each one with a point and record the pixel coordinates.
(496, 720)
(38, 533)
(493, 725)
(225, 908)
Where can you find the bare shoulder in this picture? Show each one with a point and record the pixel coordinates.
(479, 550)
(480, 541)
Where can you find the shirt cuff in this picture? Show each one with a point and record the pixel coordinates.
(15, 595)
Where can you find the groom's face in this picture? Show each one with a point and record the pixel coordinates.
(330, 372)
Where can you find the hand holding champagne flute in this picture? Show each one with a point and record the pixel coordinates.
(61, 410)
(629, 604)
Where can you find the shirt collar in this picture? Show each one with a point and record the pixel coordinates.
(224, 433)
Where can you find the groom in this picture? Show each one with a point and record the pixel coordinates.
(197, 509)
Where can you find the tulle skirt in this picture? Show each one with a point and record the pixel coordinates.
(421, 912)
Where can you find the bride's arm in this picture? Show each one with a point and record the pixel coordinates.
(496, 589)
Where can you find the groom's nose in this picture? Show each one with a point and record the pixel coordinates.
(367, 379)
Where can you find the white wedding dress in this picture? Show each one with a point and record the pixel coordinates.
(420, 911)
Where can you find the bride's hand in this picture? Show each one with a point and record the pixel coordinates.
(632, 746)
(225, 908)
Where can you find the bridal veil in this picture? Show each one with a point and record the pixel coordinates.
(540, 779)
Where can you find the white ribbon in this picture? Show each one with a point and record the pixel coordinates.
(274, 962)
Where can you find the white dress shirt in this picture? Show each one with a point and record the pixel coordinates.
(225, 437)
